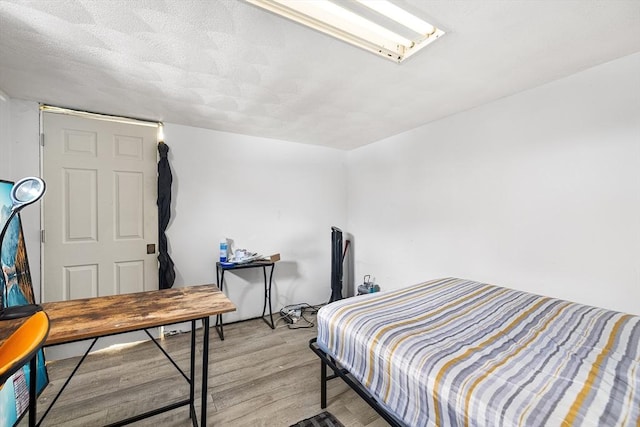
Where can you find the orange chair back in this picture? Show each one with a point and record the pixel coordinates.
(22, 345)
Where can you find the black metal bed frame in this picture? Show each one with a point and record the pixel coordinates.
(327, 360)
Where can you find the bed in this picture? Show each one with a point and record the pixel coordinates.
(453, 352)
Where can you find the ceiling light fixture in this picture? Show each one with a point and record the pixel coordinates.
(354, 22)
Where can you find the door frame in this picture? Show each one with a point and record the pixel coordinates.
(46, 108)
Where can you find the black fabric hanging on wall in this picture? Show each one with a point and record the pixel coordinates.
(167, 274)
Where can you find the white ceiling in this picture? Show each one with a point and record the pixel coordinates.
(229, 66)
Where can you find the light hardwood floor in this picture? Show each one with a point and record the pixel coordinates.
(257, 377)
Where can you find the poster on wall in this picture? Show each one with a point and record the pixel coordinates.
(15, 278)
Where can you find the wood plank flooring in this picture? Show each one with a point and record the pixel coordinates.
(257, 377)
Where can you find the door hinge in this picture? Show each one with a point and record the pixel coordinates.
(42, 139)
(42, 236)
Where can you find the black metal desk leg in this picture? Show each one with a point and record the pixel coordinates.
(270, 312)
(220, 279)
(66, 383)
(267, 296)
(32, 390)
(205, 370)
(192, 374)
(264, 305)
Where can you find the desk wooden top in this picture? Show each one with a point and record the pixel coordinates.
(81, 319)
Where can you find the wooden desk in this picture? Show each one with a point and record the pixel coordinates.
(92, 318)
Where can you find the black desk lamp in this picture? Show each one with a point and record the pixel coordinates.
(24, 192)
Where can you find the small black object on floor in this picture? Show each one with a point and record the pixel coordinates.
(324, 419)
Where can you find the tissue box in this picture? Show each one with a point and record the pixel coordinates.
(272, 258)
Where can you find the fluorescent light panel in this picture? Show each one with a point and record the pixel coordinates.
(399, 15)
(340, 22)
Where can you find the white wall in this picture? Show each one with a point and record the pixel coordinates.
(19, 157)
(268, 196)
(539, 191)
(5, 136)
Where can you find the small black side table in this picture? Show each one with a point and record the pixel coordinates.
(222, 267)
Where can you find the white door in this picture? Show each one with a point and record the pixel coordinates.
(100, 210)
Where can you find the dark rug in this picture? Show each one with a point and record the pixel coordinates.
(325, 419)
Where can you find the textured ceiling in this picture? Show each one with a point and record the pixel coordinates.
(227, 65)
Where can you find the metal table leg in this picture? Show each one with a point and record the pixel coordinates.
(33, 396)
(220, 279)
(192, 382)
(205, 370)
(267, 296)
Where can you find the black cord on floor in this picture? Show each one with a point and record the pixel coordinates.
(288, 314)
(309, 324)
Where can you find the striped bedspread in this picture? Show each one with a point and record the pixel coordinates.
(453, 352)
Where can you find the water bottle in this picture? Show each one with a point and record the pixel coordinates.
(223, 250)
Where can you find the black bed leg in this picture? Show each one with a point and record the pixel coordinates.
(323, 384)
